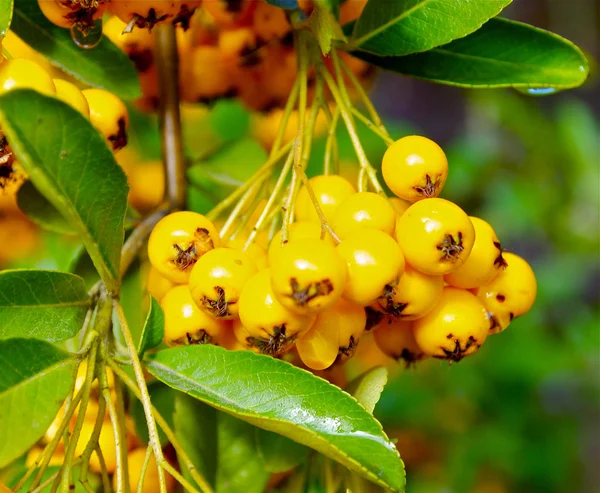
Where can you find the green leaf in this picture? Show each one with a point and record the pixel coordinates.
(240, 470)
(40, 211)
(195, 426)
(278, 453)
(38, 304)
(229, 119)
(6, 13)
(502, 53)
(402, 27)
(279, 397)
(163, 398)
(34, 381)
(104, 66)
(367, 388)
(69, 163)
(154, 328)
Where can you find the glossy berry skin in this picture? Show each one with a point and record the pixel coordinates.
(109, 115)
(436, 236)
(269, 22)
(269, 326)
(335, 331)
(485, 260)
(226, 13)
(455, 328)
(185, 323)
(364, 210)
(375, 265)
(178, 241)
(415, 168)
(330, 190)
(157, 285)
(297, 231)
(308, 276)
(257, 253)
(399, 205)
(20, 73)
(413, 297)
(217, 280)
(70, 94)
(397, 340)
(56, 12)
(510, 294)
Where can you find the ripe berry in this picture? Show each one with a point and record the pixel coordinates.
(455, 328)
(375, 264)
(436, 236)
(300, 230)
(396, 339)
(308, 276)
(414, 296)
(415, 168)
(109, 115)
(157, 285)
(20, 73)
(510, 294)
(229, 13)
(330, 191)
(148, 13)
(185, 323)
(217, 280)
(178, 241)
(267, 324)
(364, 210)
(484, 262)
(70, 94)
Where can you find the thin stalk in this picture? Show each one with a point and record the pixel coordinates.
(331, 150)
(170, 120)
(325, 226)
(120, 408)
(347, 117)
(271, 201)
(258, 174)
(140, 485)
(103, 470)
(119, 437)
(374, 128)
(364, 97)
(187, 486)
(137, 238)
(66, 473)
(184, 459)
(285, 117)
(91, 445)
(240, 207)
(51, 479)
(144, 395)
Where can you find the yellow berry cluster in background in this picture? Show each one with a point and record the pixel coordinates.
(429, 280)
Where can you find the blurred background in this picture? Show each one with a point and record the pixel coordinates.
(522, 414)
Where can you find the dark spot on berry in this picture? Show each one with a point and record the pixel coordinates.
(429, 189)
(119, 140)
(142, 58)
(185, 258)
(500, 298)
(348, 351)
(149, 21)
(302, 295)
(276, 344)
(234, 6)
(373, 317)
(451, 248)
(200, 337)
(183, 17)
(409, 357)
(449, 336)
(511, 315)
(238, 262)
(218, 307)
(500, 262)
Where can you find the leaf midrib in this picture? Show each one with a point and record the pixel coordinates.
(28, 380)
(391, 22)
(258, 417)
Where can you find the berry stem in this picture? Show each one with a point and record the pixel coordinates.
(349, 122)
(241, 206)
(331, 147)
(285, 117)
(184, 459)
(373, 127)
(271, 201)
(167, 64)
(144, 394)
(92, 444)
(140, 484)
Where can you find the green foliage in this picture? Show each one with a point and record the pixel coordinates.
(69, 163)
(34, 381)
(279, 397)
(41, 211)
(163, 399)
(367, 388)
(278, 453)
(154, 328)
(37, 304)
(409, 26)
(6, 13)
(104, 66)
(325, 25)
(502, 53)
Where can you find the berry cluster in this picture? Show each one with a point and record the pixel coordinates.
(240, 49)
(427, 278)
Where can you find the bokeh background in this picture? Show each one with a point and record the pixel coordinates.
(523, 414)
